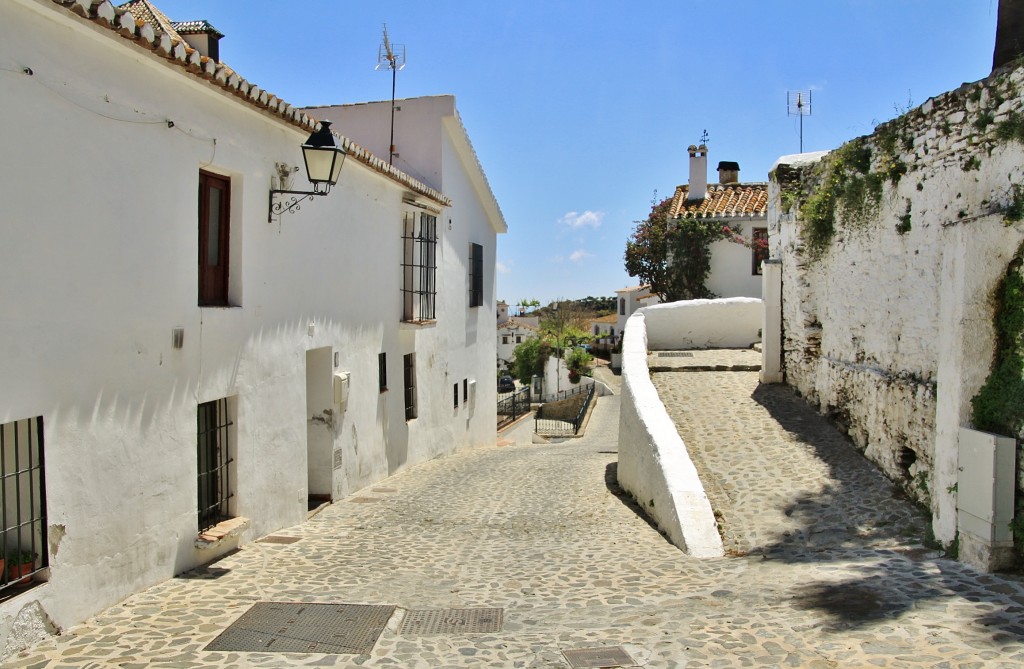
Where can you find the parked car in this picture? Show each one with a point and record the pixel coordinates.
(506, 385)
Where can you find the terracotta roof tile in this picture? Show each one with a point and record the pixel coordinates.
(633, 289)
(513, 324)
(723, 201)
(140, 22)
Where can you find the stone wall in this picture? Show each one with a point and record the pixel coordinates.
(891, 248)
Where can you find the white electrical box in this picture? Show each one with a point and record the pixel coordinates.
(985, 483)
(340, 387)
(472, 392)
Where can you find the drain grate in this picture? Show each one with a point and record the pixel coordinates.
(589, 658)
(675, 354)
(452, 621)
(276, 539)
(305, 628)
(364, 500)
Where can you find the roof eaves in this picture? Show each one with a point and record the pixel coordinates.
(165, 42)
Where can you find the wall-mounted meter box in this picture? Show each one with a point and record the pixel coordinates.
(340, 387)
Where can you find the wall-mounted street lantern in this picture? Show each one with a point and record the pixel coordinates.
(323, 159)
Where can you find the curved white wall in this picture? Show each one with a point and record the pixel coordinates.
(733, 322)
(654, 466)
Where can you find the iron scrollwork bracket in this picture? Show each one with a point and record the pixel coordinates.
(289, 204)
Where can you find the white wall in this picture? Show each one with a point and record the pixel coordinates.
(99, 264)
(654, 466)
(732, 264)
(722, 323)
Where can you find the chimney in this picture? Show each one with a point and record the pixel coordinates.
(728, 172)
(201, 36)
(1009, 33)
(698, 186)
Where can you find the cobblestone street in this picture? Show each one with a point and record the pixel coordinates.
(826, 570)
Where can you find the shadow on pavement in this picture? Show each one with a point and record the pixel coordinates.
(611, 481)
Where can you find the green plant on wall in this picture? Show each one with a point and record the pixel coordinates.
(999, 405)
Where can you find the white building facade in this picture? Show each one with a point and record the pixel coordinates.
(181, 413)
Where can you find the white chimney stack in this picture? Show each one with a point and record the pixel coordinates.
(698, 186)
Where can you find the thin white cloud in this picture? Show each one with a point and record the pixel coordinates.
(579, 255)
(575, 219)
(502, 268)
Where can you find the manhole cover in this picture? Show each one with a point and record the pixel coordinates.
(675, 354)
(452, 621)
(276, 539)
(305, 628)
(586, 658)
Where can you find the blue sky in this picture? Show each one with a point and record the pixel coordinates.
(579, 111)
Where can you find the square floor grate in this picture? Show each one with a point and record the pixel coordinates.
(590, 658)
(305, 628)
(276, 539)
(675, 354)
(452, 621)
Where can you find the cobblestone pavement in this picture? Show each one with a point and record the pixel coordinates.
(542, 532)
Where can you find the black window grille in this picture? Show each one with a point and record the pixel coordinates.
(409, 366)
(214, 459)
(465, 390)
(476, 275)
(419, 267)
(382, 371)
(455, 395)
(23, 498)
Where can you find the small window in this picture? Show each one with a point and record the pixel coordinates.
(597, 329)
(214, 237)
(476, 275)
(214, 455)
(419, 267)
(23, 503)
(382, 372)
(409, 367)
(455, 394)
(465, 390)
(622, 306)
(519, 339)
(504, 339)
(611, 332)
(759, 252)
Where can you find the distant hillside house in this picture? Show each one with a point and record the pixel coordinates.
(629, 300)
(743, 207)
(512, 333)
(605, 332)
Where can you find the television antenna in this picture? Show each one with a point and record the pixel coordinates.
(391, 57)
(798, 103)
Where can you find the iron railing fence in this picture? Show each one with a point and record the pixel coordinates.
(559, 427)
(577, 389)
(512, 407)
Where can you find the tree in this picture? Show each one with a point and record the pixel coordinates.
(673, 255)
(529, 358)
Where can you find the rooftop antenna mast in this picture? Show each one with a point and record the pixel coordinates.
(391, 57)
(798, 103)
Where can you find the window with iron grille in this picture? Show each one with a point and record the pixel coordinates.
(476, 275)
(214, 237)
(455, 395)
(382, 371)
(419, 267)
(23, 498)
(409, 367)
(214, 456)
(465, 390)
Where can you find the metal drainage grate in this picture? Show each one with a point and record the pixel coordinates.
(587, 658)
(452, 621)
(364, 500)
(305, 628)
(675, 354)
(276, 539)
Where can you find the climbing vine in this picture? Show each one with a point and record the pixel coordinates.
(999, 405)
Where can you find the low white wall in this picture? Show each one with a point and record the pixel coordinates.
(654, 466)
(733, 322)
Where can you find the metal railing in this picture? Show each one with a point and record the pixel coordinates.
(22, 504)
(512, 407)
(586, 384)
(561, 427)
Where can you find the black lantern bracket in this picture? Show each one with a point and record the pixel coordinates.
(323, 158)
(287, 205)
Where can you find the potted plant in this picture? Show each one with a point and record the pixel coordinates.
(20, 563)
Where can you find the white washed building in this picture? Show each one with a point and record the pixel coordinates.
(142, 388)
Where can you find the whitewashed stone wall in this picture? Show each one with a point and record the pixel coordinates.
(889, 328)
